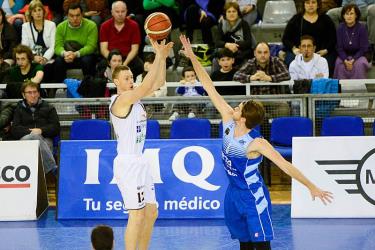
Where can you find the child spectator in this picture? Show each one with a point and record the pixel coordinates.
(189, 88)
(102, 238)
(226, 72)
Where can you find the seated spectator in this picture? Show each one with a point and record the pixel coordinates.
(226, 72)
(8, 39)
(39, 35)
(307, 64)
(319, 26)
(123, 34)
(24, 70)
(233, 33)
(25, 11)
(248, 10)
(189, 88)
(76, 44)
(35, 119)
(11, 8)
(102, 238)
(263, 67)
(114, 59)
(203, 15)
(6, 117)
(56, 7)
(352, 44)
(367, 10)
(96, 11)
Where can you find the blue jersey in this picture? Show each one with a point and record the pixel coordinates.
(241, 171)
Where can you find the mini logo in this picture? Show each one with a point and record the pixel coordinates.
(241, 142)
(361, 176)
(256, 235)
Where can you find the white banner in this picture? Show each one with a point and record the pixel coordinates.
(343, 165)
(18, 180)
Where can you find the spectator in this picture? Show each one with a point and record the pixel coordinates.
(6, 116)
(201, 14)
(39, 35)
(8, 38)
(352, 44)
(234, 33)
(226, 73)
(367, 10)
(35, 119)
(189, 88)
(94, 10)
(114, 59)
(122, 33)
(319, 26)
(56, 6)
(102, 238)
(11, 8)
(263, 67)
(308, 64)
(76, 44)
(24, 70)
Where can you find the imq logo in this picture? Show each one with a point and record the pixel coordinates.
(362, 175)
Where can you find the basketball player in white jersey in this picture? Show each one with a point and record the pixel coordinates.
(130, 168)
(247, 205)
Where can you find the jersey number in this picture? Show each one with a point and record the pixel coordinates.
(141, 198)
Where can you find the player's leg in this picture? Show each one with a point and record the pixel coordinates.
(134, 228)
(151, 213)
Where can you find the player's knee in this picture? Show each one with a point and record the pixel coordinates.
(137, 217)
(152, 214)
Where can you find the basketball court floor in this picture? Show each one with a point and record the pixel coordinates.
(298, 234)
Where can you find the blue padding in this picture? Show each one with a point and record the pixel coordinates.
(342, 126)
(286, 152)
(190, 128)
(283, 129)
(153, 129)
(93, 129)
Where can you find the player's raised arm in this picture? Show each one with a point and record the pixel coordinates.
(164, 52)
(220, 104)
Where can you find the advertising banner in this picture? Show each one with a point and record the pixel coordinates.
(190, 181)
(344, 166)
(23, 192)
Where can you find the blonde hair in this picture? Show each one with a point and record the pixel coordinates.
(32, 6)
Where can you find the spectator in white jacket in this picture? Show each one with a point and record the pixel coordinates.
(39, 35)
(308, 64)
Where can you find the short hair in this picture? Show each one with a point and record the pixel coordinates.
(102, 237)
(319, 2)
(116, 2)
(225, 52)
(150, 58)
(23, 49)
(307, 37)
(349, 7)
(114, 52)
(262, 42)
(186, 69)
(117, 71)
(74, 6)
(33, 5)
(30, 84)
(253, 112)
(234, 5)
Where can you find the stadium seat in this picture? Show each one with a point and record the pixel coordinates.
(91, 129)
(279, 11)
(342, 126)
(190, 128)
(153, 129)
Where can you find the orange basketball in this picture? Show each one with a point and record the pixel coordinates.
(158, 26)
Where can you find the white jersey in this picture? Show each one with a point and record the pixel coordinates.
(130, 130)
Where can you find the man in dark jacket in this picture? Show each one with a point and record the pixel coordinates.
(35, 119)
(6, 116)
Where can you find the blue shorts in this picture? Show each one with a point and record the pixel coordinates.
(248, 214)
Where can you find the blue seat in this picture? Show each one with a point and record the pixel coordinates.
(342, 126)
(93, 129)
(190, 128)
(283, 129)
(221, 129)
(153, 129)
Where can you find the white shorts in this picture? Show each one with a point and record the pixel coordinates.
(134, 179)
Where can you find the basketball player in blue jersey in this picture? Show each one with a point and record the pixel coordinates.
(247, 205)
(130, 168)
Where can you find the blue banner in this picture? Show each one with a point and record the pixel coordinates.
(189, 177)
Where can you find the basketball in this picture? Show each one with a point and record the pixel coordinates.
(158, 26)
